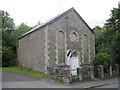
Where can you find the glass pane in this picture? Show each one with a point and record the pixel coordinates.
(74, 36)
(85, 49)
(61, 47)
(61, 56)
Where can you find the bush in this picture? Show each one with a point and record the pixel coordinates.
(103, 59)
(8, 57)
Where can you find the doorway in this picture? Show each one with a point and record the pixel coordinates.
(74, 63)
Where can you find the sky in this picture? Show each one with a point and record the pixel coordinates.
(94, 12)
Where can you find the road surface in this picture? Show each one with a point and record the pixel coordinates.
(109, 86)
(13, 80)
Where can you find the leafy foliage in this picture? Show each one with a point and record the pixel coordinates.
(113, 29)
(21, 29)
(8, 53)
(9, 39)
(102, 59)
(9, 58)
(99, 38)
(108, 40)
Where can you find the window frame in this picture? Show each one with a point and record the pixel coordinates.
(77, 36)
(65, 45)
(88, 47)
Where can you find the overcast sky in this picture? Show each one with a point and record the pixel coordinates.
(94, 12)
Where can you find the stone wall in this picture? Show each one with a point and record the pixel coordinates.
(31, 51)
(83, 73)
(68, 23)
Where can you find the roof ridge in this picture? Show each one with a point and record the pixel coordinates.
(54, 19)
(45, 23)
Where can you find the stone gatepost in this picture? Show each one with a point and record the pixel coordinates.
(79, 73)
(101, 71)
(111, 74)
(55, 72)
(66, 74)
(91, 72)
(116, 69)
(70, 78)
(49, 71)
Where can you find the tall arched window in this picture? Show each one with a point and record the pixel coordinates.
(85, 49)
(61, 47)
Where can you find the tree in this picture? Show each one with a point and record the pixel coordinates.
(113, 32)
(103, 59)
(107, 38)
(9, 38)
(8, 41)
(22, 28)
(8, 56)
(99, 38)
(103, 56)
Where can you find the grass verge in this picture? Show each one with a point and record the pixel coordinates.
(30, 72)
(22, 70)
(0, 69)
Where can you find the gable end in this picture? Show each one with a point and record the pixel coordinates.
(49, 22)
(83, 21)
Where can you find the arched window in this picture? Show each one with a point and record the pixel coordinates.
(85, 49)
(61, 47)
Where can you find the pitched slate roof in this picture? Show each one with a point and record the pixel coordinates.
(54, 19)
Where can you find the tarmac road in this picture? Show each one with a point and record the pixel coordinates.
(13, 77)
(115, 85)
(13, 80)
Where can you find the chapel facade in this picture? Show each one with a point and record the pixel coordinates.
(64, 41)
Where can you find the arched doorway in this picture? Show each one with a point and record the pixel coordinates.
(74, 63)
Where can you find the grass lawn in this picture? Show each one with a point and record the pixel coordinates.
(22, 70)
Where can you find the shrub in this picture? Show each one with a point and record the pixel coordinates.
(8, 57)
(103, 59)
